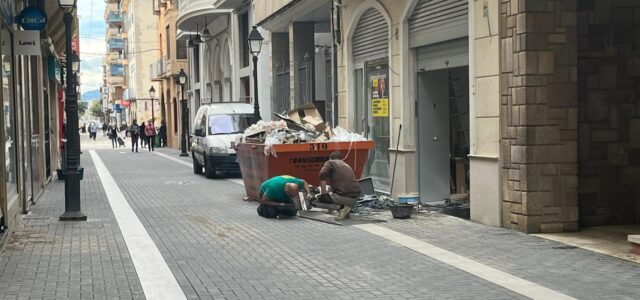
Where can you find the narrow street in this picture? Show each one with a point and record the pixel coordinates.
(155, 230)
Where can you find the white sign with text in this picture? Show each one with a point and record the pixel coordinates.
(27, 42)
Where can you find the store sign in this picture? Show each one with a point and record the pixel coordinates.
(32, 18)
(54, 69)
(75, 44)
(27, 42)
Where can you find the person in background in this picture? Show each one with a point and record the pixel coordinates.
(150, 132)
(344, 185)
(143, 136)
(162, 134)
(104, 128)
(277, 195)
(113, 135)
(93, 131)
(134, 132)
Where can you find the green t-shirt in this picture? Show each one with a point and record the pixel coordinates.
(274, 188)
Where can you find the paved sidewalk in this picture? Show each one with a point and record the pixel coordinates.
(49, 259)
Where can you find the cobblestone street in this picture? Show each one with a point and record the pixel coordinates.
(216, 247)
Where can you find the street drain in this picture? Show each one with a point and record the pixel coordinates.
(565, 247)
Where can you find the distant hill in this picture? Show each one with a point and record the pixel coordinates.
(91, 95)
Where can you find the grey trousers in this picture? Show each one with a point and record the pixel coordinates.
(342, 200)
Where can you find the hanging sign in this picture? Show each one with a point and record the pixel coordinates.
(32, 18)
(27, 42)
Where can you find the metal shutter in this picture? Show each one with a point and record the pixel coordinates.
(371, 37)
(435, 21)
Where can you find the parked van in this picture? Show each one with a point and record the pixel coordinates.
(214, 133)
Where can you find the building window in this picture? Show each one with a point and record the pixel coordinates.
(181, 50)
(196, 64)
(244, 29)
(167, 41)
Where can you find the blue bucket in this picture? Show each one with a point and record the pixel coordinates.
(411, 198)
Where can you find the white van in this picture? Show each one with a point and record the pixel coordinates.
(214, 133)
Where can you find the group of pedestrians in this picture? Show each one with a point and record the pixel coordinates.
(143, 135)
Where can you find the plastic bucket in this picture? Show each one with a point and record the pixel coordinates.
(411, 198)
(402, 211)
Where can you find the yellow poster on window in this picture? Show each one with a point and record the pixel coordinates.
(380, 107)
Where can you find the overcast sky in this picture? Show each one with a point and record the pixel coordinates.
(92, 43)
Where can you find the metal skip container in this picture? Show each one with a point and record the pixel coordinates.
(303, 160)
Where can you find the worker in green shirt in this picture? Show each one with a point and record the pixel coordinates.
(277, 195)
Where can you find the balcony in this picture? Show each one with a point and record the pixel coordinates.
(194, 14)
(115, 58)
(116, 44)
(116, 69)
(115, 19)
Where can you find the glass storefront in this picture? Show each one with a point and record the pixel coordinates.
(372, 117)
(379, 103)
(9, 122)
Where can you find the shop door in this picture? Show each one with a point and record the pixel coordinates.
(378, 122)
(433, 135)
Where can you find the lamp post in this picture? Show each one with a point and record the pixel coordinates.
(73, 171)
(182, 80)
(255, 45)
(152, 93)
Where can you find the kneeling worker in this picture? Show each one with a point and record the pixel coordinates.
(344, 184)
(277, 194)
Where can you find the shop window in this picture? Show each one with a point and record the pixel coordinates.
(9, 126)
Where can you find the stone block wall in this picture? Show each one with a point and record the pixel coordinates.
(539, 115)
(609, 106)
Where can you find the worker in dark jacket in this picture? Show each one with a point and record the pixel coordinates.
(344, 185)
(277, 195)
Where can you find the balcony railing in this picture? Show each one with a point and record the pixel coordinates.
(116, 69)
(116, 44)
(115, 19)
(160, 64)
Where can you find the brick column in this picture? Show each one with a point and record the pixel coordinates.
(539, 115)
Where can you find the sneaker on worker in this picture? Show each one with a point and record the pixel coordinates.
(344, 213)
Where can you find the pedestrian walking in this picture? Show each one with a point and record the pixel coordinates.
(113, 135)
(104, 129)
(93, 131)
(162, 134)
(134, 133)
(143, 136)
(150, 132)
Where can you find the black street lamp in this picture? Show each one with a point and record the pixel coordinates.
(182, 80)
(73, 171)
(152, 93)
(255, 45)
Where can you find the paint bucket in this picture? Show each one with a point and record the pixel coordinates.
(402, 211)
(410, 198)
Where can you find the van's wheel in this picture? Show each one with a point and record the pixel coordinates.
(197, 167)
(208, 171)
